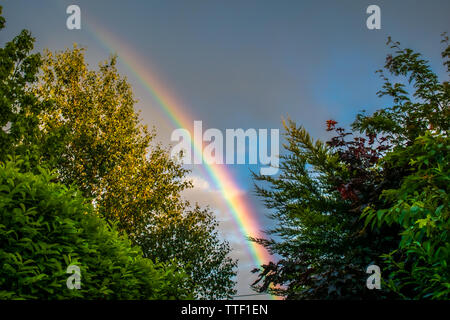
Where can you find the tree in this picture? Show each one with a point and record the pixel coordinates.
(94, 138)
(323, 248)
(412, 114)
(342, 205)
(418, 268)
(18, 105)
(26, 272)
(191, 237)
(46, 227)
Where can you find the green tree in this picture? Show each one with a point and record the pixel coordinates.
(45, 227)
(349, 203)
(94, 138)
(412, 114)
(316, 202)
(193, 236)
(418, 268)
(18, 105)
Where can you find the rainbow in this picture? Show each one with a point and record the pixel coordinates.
(242, 213)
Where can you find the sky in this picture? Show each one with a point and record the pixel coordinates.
(243, 64)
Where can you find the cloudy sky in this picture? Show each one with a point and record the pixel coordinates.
(244, 64)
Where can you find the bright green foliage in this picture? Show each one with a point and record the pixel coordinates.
(45, 227)
(419, 268)
(18, 106)
(412, 114)
(94, 138)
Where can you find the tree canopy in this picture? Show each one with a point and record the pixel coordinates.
(374, 195)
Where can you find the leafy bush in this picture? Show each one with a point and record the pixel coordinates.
(46, 226)
(419, 267)
(19, 67)
(393, 173)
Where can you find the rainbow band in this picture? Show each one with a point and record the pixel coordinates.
(243, 215)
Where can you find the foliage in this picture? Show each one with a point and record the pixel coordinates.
(412, 114)
(95, 139)
(324, 190)
(45, 227)
(82, 123)
(419, 267)
(18, 106)
(170, 237)
(316, 201)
